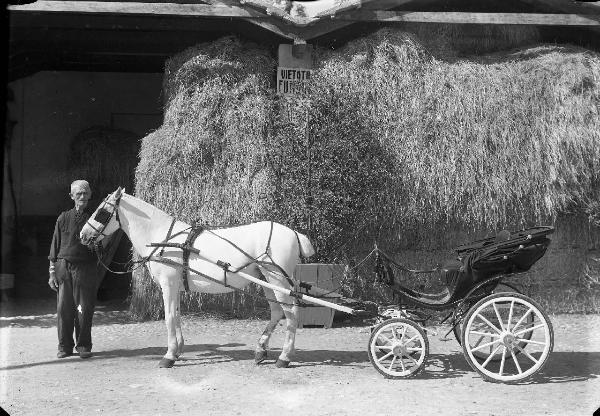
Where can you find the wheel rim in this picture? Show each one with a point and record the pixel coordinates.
(398, 349)
(507, 338)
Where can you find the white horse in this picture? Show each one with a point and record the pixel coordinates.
(263, 250)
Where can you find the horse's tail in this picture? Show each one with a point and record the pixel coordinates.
(305, 246)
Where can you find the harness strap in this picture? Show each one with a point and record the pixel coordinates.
(187, 248)
(162, 250)
(255, 259)
(225, 266)
(171, 262)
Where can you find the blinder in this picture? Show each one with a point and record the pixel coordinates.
(103, 216)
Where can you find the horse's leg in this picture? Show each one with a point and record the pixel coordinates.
(260, 354)
(170, 291)
(178, 331)
(291, 317)
(290, 310)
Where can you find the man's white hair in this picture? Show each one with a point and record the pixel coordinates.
(80, 183)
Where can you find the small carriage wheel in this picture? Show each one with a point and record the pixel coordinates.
(398, 348)
(520, 345)
(501, 288)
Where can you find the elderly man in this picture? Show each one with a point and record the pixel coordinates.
(73, 276)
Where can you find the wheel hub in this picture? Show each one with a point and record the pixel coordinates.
(509, 340)
(399, 350)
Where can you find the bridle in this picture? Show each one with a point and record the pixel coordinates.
(103, 217)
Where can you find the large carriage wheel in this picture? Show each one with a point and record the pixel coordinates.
(520, 336)
(502, 287)
(398, 348)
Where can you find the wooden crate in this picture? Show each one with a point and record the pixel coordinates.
(322, 276)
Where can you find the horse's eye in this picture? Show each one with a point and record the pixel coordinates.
(103, 216)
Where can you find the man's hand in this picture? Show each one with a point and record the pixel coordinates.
(52, 282)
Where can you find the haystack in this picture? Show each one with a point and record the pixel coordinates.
(389, 143)
(207, 163)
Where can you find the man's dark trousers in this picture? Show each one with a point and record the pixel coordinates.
(76, 299)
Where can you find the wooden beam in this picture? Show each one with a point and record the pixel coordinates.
(222, 9)
(327, 24)
(475, 18)
(153, 9)
(567, 6)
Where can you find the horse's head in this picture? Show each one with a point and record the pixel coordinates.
(104, 221)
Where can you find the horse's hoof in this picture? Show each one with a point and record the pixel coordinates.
(166, 363)
(282, 363)
(260, 356)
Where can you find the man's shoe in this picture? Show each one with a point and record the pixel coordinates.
(63, 354)
(84, 353)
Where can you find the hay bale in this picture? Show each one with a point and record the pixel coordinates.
(452, 41)
(206, 163)
(388, 141)
(505, 142)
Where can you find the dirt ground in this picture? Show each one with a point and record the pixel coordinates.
(331, 375)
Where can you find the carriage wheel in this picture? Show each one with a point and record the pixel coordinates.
(505, 288)
(398, 348)
(520, 336)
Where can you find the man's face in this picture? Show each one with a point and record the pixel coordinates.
(81, 196)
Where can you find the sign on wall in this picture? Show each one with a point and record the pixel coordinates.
(292, 80)
(294, 69)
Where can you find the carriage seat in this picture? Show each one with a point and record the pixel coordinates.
(451, 273)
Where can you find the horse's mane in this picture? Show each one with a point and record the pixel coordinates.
(144, 208)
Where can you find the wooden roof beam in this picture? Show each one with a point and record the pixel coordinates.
(137, 8)
(471, 18)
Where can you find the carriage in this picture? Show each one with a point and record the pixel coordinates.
(505, 335)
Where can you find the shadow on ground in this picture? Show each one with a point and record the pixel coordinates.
(562, 367)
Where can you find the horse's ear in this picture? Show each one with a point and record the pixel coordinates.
(119, 192)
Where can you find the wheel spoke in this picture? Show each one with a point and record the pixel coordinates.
(542, 325)
(522, 318)
(527, 354)
(487, 344)
(478, 342)
(502, 361)
(387, 340)
(385, 356)
(402, 365)
(392, 363)
(528, 341)
(403, 333)
(394, 331)
(486, 362)
(498, 316)
(510, 314)
(411, 349)
(410, 358)
(384, 347)
(412, 339)
(484, 319)
(485, 334)
(516, 362)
